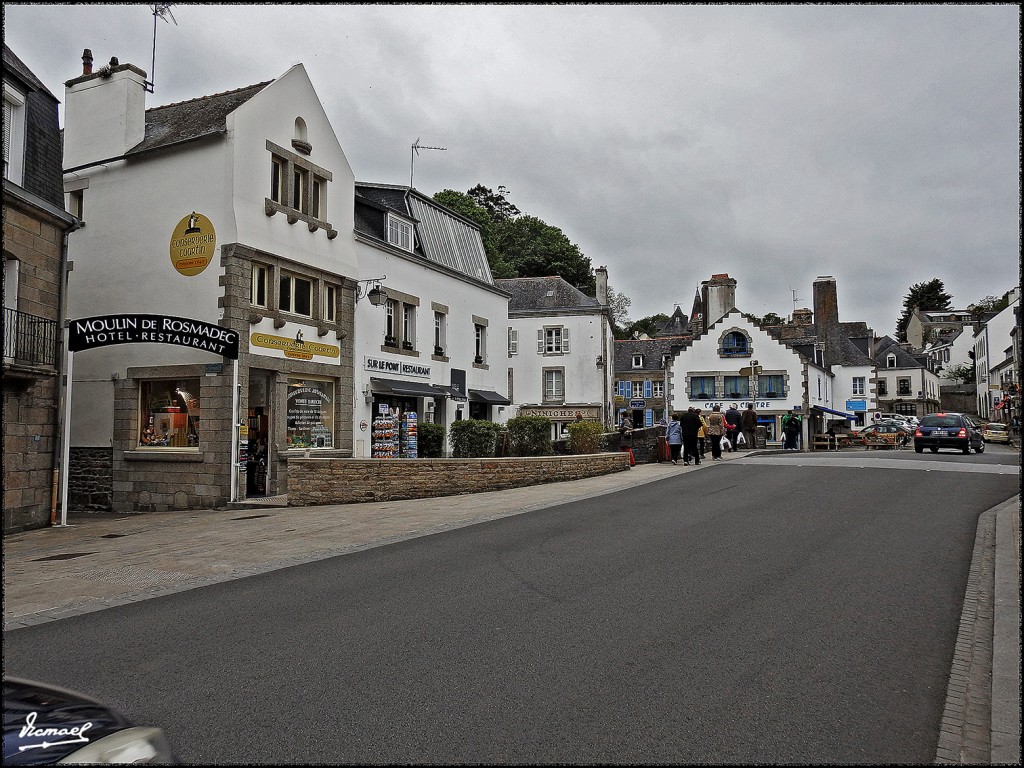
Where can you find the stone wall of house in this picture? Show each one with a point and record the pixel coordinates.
(90, 479)
(316, 481)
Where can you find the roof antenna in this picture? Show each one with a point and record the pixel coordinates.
(163, 10)
(412, 157)
(795, 299)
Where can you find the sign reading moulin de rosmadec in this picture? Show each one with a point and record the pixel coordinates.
(104, 330)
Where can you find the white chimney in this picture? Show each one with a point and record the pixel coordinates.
(601, 281)
(104, 112)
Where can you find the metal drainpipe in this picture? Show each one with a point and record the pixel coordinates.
(62, 386)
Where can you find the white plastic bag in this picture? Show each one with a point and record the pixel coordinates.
(726, 445)
(740, 439)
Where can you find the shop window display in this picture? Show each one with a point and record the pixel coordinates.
(310, 413)
(169, 414)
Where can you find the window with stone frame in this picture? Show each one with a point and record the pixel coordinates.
(298, 188)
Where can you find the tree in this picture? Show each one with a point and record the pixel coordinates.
(926, 297)
(619, 304)
(962, 373)
(770, 319)
(990, 304)
(645, 325)
(495, 203)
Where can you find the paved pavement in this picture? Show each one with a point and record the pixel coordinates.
(99, 561)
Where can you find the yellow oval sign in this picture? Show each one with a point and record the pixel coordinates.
(193, 244)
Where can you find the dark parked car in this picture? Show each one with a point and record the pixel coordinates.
(948, 430)
(44, 725)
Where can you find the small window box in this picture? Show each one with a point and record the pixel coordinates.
(439, 350)
(407, 345)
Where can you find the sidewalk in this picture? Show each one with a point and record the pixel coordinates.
(100, 561)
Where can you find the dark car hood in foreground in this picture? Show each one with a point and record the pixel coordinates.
(43, 724)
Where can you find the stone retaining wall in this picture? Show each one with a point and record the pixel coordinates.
(316, 481)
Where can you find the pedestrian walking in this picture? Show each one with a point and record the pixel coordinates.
(690, 424)
(702, 434)
(716, 428)
(791, 424)
(732, 425)
(748, 425)
(674, 437)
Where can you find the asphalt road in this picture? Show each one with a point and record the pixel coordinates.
(786, 609)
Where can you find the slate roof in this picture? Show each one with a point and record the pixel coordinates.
(545, 294)
(443, 236)
(904, 358)
(16, 66)
(652, 350)
(193, 119)
(678, 324)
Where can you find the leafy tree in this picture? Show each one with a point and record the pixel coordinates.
(648, 325)
(769, 319)
(928, 296)
(962, 373)
(495, 203)
(519, 245)
(619, 303)
(990, 304)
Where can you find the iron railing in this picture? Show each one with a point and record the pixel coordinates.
(29, 339)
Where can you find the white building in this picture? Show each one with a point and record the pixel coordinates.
(235, 213)
(993, 346)
(560, 353)
(437, 345)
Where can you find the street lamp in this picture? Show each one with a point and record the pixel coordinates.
(374, 292)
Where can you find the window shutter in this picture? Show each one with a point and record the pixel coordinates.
(649, 417)
(565, 341)
(513, 341)
(622, 388)
(540, 341)
(647, 389)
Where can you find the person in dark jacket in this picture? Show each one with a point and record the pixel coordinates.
(732, 426)
(748, 423)
(691, 425)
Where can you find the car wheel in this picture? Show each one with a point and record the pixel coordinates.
(934, 449)
(967, 450)
(980, 448)
(918, 449)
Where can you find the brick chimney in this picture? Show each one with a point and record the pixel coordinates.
(104, 112)
(826, 306)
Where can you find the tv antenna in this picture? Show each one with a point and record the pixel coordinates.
(795, 299)
(416, 147)
(161, 10)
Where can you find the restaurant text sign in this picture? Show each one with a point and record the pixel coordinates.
(105, 330)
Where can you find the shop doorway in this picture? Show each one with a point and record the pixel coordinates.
(256, 465)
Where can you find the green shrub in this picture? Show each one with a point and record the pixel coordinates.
(474, 438)
(584, 436)
(529, 436)
(431, 440)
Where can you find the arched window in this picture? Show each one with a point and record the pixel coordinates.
(734, 343)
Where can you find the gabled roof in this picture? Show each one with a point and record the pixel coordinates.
(545, 294)
(193, 119)
(14, 65)
(904, 358)
(678, 324)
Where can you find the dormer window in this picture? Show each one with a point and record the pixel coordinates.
(890, 361)
(399, 232)
(638, 361)
(14, 134)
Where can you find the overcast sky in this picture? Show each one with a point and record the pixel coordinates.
(876, 144)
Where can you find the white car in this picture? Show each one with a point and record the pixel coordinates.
(910, 420)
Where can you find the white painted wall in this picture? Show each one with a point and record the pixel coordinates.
(429, 283)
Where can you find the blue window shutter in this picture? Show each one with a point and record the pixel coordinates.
(649, 417)
(648, 389)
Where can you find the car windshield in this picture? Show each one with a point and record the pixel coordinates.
(940, 421)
